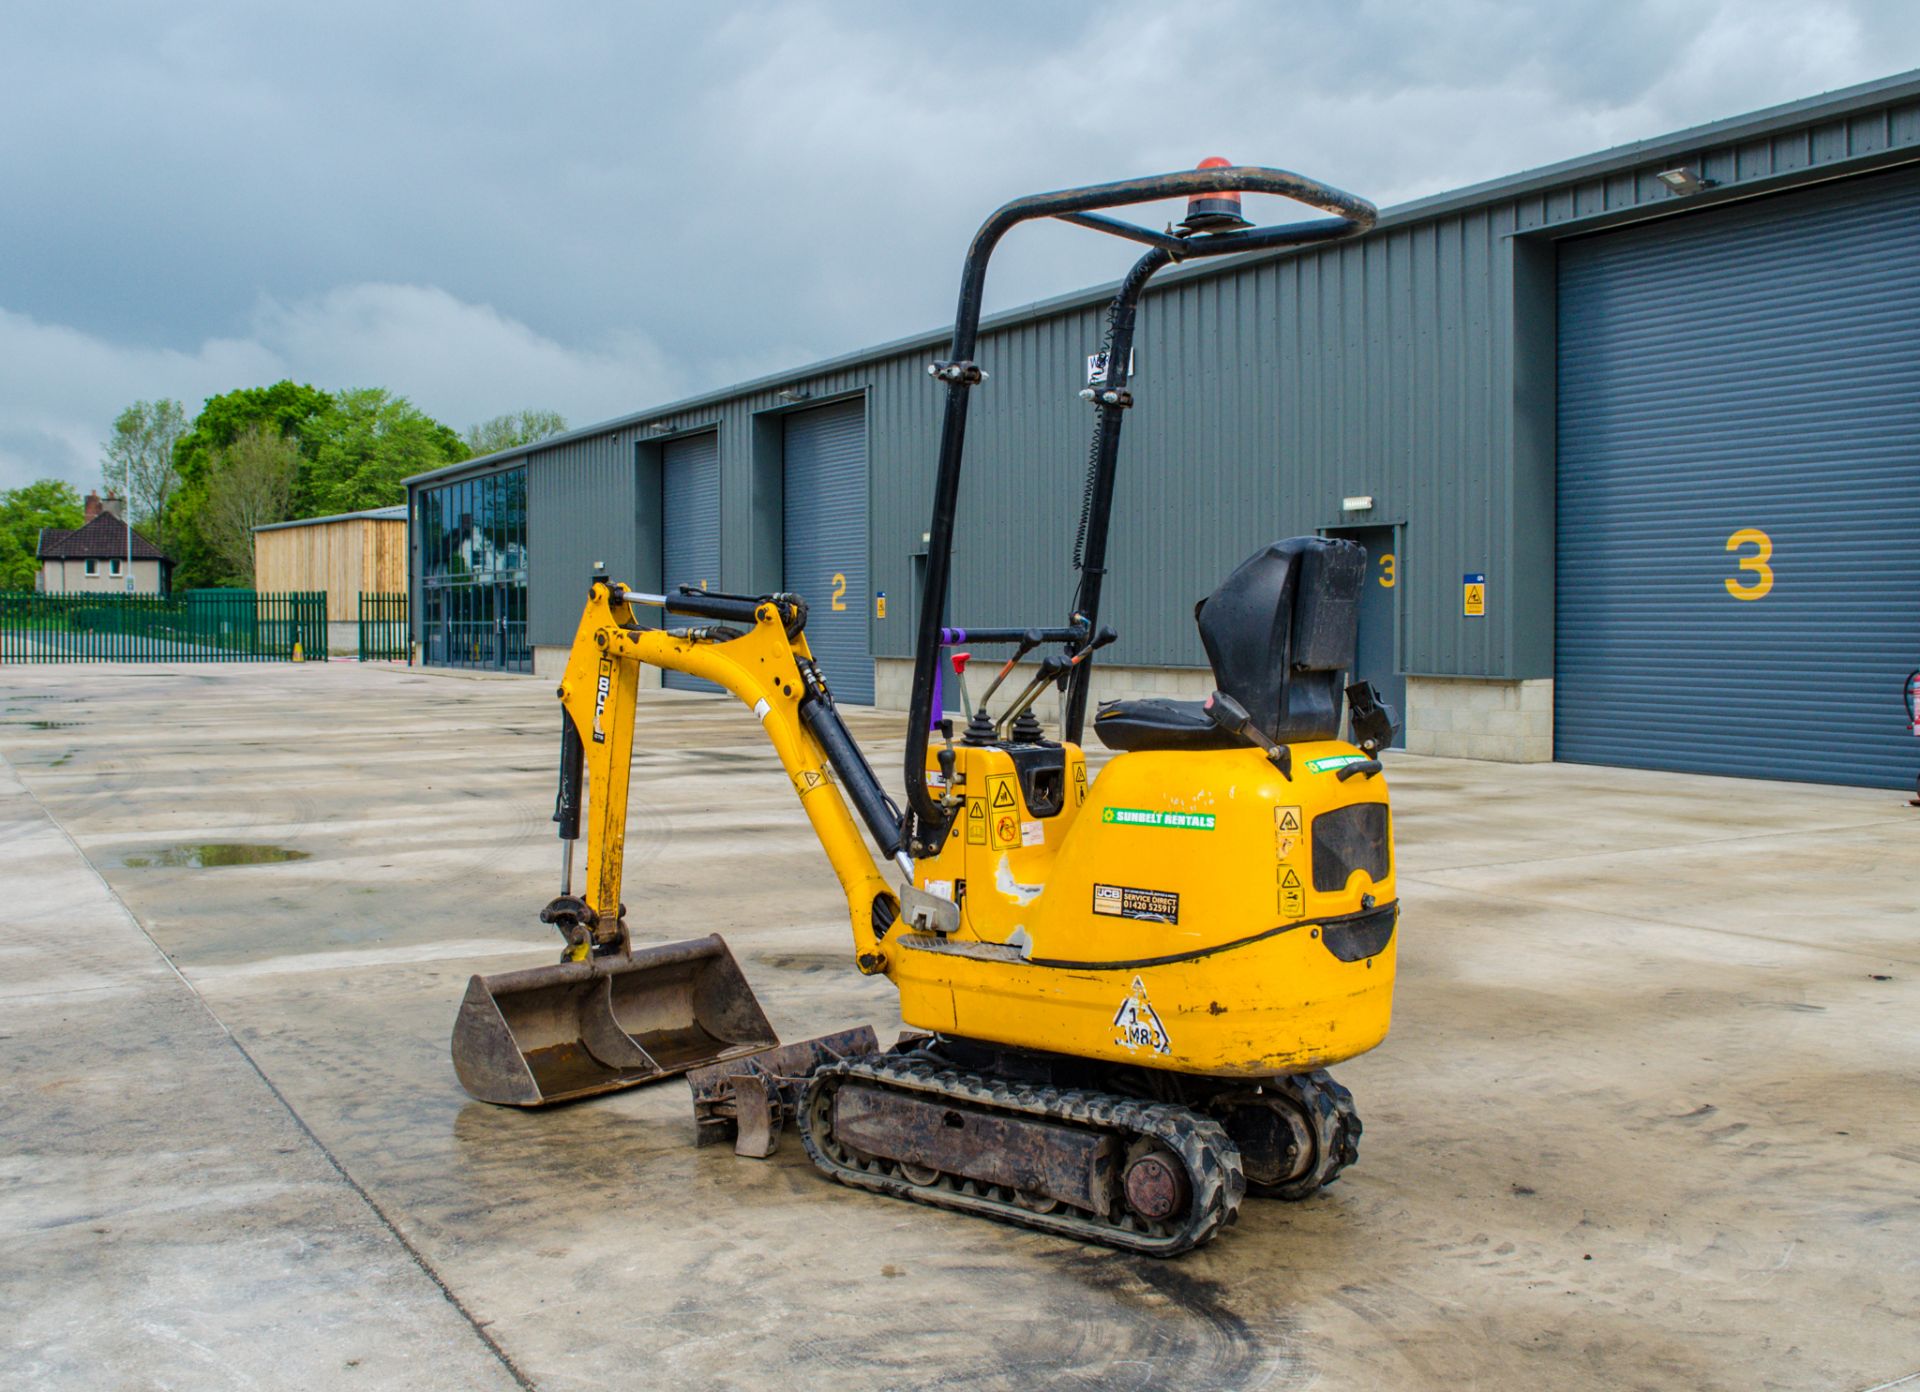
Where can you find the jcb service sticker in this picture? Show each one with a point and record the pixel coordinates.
(1124, 901)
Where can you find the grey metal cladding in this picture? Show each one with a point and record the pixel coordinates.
(580, 509)
(1744, 384)
(1268, 389)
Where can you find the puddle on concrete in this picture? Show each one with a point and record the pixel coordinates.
(44, 724)
(212, 854)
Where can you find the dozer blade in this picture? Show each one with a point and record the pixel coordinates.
(550, 1034)
(751, 1100)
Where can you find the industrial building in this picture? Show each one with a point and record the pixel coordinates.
(1634, 441)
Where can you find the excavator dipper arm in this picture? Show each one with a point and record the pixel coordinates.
(772, 673)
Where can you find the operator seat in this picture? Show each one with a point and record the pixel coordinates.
(1279, 632)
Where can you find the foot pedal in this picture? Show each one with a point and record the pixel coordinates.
(752, 1099)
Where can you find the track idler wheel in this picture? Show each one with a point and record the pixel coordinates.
(1154, 1182)
(1295, 1135)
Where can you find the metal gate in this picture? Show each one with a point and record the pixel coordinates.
(1739, 488)
(690, 527)
(186, 626)
(825, 540)
(384, 634)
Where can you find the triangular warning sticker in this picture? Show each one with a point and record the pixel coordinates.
(1289, 880)
(1002, 795)
(1289, 819)
(974, 810)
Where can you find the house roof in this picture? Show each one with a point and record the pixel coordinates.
(396, 513)
(104, 538)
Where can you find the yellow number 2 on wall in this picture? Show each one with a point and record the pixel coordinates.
(839, 591)
(1762, 578)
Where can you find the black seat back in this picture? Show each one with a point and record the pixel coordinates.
(1280, 631)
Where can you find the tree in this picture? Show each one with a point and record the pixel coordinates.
(285, 409)
(23, 512)
(362, 446)
(252, 484)
(139, 458)
(514, 429)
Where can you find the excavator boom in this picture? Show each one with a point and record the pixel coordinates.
(609, 1016)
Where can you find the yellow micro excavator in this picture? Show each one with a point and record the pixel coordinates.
(1123, 992)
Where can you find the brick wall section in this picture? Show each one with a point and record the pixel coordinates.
(1468, 718)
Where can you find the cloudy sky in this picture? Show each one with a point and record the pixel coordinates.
(596, 207)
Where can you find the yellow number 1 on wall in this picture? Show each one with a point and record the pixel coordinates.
(1762, 580)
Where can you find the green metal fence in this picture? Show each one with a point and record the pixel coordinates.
(189, 626)
(383, 628)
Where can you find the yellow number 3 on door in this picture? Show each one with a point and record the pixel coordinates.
(1762, 578)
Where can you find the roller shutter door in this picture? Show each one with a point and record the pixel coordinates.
(825, 540)
(1739, 489)
(690, 527)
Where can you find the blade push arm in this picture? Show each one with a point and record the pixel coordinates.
(772, 673)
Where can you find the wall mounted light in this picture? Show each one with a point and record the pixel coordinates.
(1360, 502)
(1684, 180)
(791, 395)
(659, 428)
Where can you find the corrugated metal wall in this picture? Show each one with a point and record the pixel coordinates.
(1415, 366)
(581, 508)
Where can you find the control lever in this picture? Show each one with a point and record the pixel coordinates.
(1031, 640)
(1100, 640)
(1232, 717)
(948, 797)
(1051, 669)
(960, 661)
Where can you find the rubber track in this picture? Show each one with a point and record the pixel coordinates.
(1336, 1124)
(1201, 1145)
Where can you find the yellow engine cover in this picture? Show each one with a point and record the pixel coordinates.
(1191, 910)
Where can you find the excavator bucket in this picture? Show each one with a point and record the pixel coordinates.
(550, 1034)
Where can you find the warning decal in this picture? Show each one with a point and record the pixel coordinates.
(808, 780)
(1079, 783)
(1286, 831)
(976, 822)
(1293, 899)
(1137, 1026)
(1123, 901)
(1003, 812)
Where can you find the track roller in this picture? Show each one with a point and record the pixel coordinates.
(1151, 1177)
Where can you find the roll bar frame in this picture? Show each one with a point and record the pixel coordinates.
(1352, 216)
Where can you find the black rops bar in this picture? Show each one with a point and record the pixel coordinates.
(1352, 216)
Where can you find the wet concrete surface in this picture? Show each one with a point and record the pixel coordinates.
(1647, 1117)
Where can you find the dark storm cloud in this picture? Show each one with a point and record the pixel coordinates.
(599, 207)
